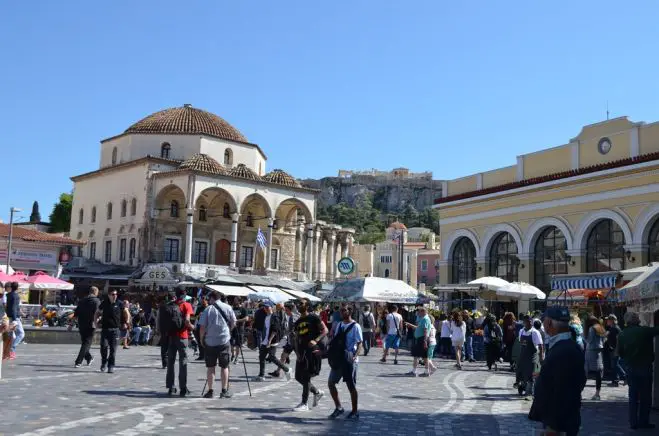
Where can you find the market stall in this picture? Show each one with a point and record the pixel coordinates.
(598, 291)
(373, 290)
(41, 285)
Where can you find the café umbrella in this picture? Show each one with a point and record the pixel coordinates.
(42, 281)
(373, 289)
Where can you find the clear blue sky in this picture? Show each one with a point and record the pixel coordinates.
(451, 87)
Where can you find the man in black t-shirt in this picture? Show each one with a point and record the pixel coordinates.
(308, 331)
(85, 312)
(110, 314)
(238, 333)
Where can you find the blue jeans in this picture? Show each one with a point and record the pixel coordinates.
(639, 380)
(616, 368)
(19, 334)
(469, 348)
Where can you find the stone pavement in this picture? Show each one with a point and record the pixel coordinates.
(47, 396)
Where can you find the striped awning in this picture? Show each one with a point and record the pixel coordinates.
(599, 281)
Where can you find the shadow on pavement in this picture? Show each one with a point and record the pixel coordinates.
(130, 394)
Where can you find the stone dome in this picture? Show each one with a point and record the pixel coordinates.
(187, 120)
(242, 172)
(204, 163)
(281, 178)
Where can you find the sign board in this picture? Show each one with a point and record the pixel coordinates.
(346, 265)
(157, 274)
(30, 259)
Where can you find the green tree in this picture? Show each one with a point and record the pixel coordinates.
(60, 218)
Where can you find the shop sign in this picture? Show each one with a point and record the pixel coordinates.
(346, 265)
(157, 274)
(30, 259)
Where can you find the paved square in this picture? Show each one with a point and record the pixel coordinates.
(47, 395)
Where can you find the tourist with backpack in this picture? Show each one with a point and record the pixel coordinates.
(272, 333)
(175, 324)
(342, 357)
(367, 322)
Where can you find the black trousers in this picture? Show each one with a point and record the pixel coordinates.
(109, 339)
(368, 341)
(86, 338)
(304, 378)
(269, 354)
(164, 347)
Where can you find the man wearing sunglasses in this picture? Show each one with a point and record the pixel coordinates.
(110, 321)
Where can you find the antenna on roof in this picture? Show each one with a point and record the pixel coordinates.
(607, 110)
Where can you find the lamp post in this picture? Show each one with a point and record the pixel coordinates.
(12, 210)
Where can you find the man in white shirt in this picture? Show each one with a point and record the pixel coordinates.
(530, 355)
(394, 333)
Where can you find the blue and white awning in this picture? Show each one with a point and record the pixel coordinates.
(599, 281)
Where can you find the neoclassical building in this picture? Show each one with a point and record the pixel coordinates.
(591, 205)
(184, 186)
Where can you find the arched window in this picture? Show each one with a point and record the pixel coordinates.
(605, 247)
(124, 207)
(109, 211)
(93, 217)
(114, 156)
(173, 209)
(549, 257)
(250, 220)
(133, 207)
(386, 273)
(131, 248)
(504, 262)
(464, 261)
(165, 148)
(228, 157)
(226, 210)
(202, 213)
(653, 243)
(81, 216)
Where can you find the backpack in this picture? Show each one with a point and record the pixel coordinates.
(171, 319)
(366, 320)
(337, 355)
(278, 327)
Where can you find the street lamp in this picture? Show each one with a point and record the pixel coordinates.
(12, 210)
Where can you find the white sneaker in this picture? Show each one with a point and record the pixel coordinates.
(288, 376)
(317, 397)
(301, 408)
(259, 379)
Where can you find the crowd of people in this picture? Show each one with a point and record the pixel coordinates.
(551, 354)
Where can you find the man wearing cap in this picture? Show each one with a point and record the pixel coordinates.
(636, 348)
(611, 344)
(557, 401)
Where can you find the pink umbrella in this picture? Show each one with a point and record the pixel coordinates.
(18, 277)
(41, 281)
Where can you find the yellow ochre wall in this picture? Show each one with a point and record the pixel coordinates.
(499, 176)
(546, 162)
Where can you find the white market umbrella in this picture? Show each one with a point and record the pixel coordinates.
(521, 290)
(275, 295)
(492, 283)
(301, 295)
(42, 281)
(373, 289)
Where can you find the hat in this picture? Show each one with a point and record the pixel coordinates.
(268, 303)
(557, 313)
(612, 317)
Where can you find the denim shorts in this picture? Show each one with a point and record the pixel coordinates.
(348, 373)
(392, 341)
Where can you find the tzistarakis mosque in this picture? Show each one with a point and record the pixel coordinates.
(184, 186)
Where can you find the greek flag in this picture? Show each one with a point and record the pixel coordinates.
(260, 239)
(397, 236)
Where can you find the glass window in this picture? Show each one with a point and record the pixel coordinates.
(124, 206)
(653, 243)
(226, 211)
(173, 209)
(605, 247)
(165, 150)
(171, 250)
(114, 156)
(93, 214)
(549, 257)
(92, 250)
(250, 220)
(133, 207)
(424, 265)
(464, 261)
(246, 257)
(202, 213)
(132, 248)
(274, 258)
(81, 214)
(108, 251)
(109, 211)
(504, 262)
(200, 252)
(228, 157)
(122, 250)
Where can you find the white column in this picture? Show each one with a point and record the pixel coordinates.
(235, 217)
(332, 255)
(299, 265)
(310, 250)
(346, 246)
(189, 220)
(268, 249)
(317, 253)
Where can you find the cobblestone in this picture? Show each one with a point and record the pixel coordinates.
(49, 396)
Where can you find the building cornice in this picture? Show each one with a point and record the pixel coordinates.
(124, 165)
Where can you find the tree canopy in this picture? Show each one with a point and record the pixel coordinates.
(60, 217)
